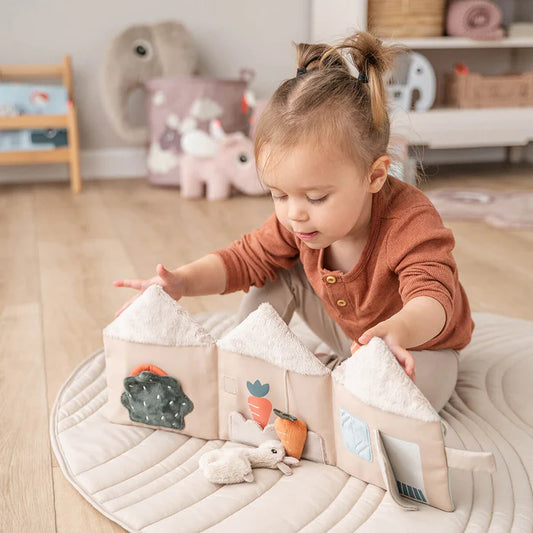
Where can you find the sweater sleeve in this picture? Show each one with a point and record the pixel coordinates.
(254, 259)
(419, 252)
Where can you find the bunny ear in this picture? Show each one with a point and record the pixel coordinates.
(288, 460)
(215, 129)
(284, 468)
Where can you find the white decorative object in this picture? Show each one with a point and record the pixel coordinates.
(419, 76)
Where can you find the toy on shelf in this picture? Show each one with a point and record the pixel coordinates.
(475, 19)
(44, 117)
(138, 54)
(234, 465)
(412, 73)
(366, 417)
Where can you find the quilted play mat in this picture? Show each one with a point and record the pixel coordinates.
(147, 479)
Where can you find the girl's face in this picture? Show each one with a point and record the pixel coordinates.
(320, 197)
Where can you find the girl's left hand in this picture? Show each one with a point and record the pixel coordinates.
(392, 333)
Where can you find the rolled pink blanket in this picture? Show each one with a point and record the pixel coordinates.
(475, 19)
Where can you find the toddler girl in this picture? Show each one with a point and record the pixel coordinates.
(355, 252)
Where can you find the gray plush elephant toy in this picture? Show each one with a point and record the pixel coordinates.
(138, 54)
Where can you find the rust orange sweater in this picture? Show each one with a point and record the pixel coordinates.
(408, 254)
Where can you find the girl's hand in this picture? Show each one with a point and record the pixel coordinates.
(169, 281)
(392, 332)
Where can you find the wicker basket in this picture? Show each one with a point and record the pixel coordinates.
(406, 18)
(474, 90)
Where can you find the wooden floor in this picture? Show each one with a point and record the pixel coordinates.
(59, 255)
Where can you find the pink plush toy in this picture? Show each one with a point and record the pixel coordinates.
(217, 162)
(475, 19)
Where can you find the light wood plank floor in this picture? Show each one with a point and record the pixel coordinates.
(60, 254)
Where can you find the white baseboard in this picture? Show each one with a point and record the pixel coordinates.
(95, 164)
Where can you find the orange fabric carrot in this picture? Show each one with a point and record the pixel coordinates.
(291, 432)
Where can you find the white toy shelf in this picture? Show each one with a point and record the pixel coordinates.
(443, 127)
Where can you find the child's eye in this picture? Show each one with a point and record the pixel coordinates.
(282, 197)
(317, 200)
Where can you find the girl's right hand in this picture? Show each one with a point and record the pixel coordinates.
(169, 281)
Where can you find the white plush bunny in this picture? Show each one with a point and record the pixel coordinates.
(234, 465)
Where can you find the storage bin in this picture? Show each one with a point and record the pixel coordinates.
(406, 18)
(477, 91)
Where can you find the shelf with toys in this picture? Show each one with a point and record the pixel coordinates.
(503, 44)
(473, 110)
(38, 123)
(476, 98)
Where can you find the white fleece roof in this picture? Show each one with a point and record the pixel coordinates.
(374, 376)
(156, 318)
(264, 335)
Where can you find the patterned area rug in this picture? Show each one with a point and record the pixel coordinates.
(500, 209)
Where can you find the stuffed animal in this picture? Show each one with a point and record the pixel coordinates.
(218, 161)
(412, 72)
(136, 55)
(475, 19)
(234, 465)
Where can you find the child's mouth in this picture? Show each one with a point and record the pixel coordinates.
(307, 236)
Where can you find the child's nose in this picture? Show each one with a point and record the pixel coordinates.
(297, 211)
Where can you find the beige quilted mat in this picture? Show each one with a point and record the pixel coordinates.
(149, 481)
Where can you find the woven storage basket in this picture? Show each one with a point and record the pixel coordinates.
(475, 90)
(406, 18)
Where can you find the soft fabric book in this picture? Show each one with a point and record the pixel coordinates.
(366, 417)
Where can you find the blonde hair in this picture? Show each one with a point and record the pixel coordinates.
(327, 105)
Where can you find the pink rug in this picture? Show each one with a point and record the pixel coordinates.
(500, 209)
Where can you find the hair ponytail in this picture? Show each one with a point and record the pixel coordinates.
(373, 60)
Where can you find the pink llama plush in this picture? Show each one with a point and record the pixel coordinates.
(217, 162)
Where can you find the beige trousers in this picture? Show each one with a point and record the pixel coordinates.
(436, 370)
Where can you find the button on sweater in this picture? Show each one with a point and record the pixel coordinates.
(408, 253)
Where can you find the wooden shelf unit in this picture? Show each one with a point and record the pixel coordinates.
(69, 154)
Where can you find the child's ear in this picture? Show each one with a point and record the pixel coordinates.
(378, 173)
